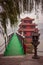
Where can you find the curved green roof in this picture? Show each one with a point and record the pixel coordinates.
(14, 47)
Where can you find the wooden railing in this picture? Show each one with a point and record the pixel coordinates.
(3, 47)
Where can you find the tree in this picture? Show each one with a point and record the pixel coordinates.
(10, 10)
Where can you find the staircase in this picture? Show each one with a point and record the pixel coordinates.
(29, 48)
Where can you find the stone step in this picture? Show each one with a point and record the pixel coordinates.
(28, 50)
(28, 44)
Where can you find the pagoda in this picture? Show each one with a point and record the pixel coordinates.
(27, 27)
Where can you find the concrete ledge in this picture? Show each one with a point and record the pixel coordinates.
(21, 60)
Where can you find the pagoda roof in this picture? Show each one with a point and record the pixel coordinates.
(21, 29)
(33, 24)
(27, 18)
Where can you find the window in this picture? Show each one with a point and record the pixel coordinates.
(25, 21)
(24, 26)
(24, 32)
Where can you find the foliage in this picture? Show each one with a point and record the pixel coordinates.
(11, 9)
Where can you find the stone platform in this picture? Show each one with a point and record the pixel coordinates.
(20, 60)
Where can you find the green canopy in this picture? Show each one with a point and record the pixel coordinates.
(14, 47)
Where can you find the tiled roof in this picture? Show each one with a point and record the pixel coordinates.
(26, 29)
(33, 24)
(27, 18)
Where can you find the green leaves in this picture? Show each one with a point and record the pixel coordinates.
(3, 21)
(11, 10)
(28, 5)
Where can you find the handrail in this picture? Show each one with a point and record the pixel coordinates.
(2, 49)
(40, 51)
(1, 45)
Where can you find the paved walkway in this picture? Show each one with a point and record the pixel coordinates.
(21, 60)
